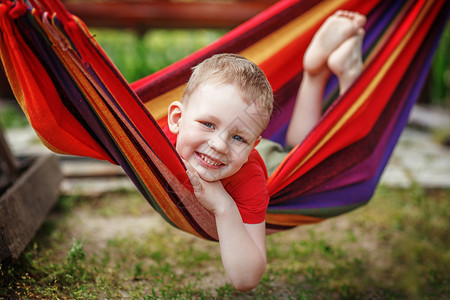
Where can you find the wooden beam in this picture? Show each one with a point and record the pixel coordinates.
(25, 204)
(166, 14)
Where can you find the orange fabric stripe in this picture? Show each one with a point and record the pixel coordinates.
(290, 219)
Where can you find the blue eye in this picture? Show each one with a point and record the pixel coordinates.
(207, 124)
(239, 139)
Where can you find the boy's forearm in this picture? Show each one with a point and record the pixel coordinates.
(243, 260)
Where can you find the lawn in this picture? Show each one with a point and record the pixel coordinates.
(116, 246)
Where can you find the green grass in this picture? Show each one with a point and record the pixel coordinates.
(116, 246)
(12, 117)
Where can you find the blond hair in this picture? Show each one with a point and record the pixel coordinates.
(236, 70)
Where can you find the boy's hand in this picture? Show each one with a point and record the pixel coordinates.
(210, 194)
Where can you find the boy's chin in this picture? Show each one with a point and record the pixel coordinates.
(215, 175)
(210, 176)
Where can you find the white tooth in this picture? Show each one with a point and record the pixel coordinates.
(208, 160)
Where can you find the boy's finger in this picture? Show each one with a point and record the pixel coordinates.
(189, 168)
(186, 163)
(194, 178)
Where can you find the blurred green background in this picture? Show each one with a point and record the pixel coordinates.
(440, 71)
(138, 55)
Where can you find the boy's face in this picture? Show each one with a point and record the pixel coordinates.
(216, 130)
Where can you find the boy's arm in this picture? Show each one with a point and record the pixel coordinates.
(242, 246)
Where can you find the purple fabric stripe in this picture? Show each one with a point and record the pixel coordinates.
(378, 21)
(347, 196)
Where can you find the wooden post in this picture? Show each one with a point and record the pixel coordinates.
(11, 163)
(25, 204)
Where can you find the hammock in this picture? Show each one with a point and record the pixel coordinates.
(79, 103)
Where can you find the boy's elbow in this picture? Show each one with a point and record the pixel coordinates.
(246, 285)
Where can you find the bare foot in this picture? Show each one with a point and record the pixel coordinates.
(346, 61)
(333, 32)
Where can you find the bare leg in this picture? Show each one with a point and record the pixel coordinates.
(308, 107)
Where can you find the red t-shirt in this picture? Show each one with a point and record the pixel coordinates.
(247, 186)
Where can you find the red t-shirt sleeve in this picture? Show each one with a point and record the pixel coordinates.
(248, 189)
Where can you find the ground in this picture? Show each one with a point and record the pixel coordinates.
(97, 244)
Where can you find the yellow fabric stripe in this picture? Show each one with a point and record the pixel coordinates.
(158, 106)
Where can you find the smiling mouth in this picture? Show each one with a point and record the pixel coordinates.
(209, 161)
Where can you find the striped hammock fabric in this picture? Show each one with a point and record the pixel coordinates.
(79, 103)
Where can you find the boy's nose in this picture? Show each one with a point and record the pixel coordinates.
(218, 144)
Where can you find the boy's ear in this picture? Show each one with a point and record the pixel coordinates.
(257, 141)
(174, 116)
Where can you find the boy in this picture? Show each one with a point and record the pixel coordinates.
(217, 125)
(226, 105)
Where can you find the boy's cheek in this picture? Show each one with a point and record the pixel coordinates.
(185, 143)
(191, 136)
